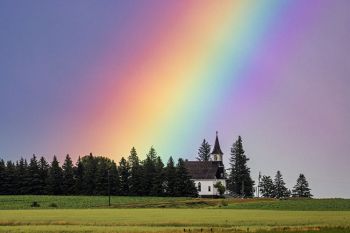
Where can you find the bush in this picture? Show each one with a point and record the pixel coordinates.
(53, 205)
(35, 204)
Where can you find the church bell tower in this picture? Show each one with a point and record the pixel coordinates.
(217, 153)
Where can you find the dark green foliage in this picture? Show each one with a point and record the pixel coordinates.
(149, 172)
(10, 180)
(68, 176)
(35, 185)
(204, 151)
(114, 179)
(280, 190)
(135, 174)
(2, 177)
(124, 177)
(301, 189)
(240, 183)
(170, 178)
(101, 176)
(78, 175)
(90, 165)
(184, 187)
(220, 187)
(43, 173)
(266, 187)
(158, 179)
(54, 181)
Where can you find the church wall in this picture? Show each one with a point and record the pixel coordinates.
(208, 183)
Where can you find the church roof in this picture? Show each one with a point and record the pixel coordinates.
(205, 169)
(217, 149)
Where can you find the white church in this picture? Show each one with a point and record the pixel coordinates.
(206, 174)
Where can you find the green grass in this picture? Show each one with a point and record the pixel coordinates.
(167, 220)
(295, 204)
(88, 202)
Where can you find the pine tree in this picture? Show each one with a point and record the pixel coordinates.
(158, 181)
(135, 177)
(149, 171)
(2, 177)
(68, 176)
(102, 170)
(22, 174)
(240, 182)
(43, 173)
(90, 165)
(124, 177)
(267, 187)
(170, 178)
(204, 151)
(280, 190)
(78, 174)
(10, 181)
(114, 179)
(54, 181)
(301, 189)
(34, 181)
(184, 187)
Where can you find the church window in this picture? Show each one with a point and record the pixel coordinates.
(199, 187)
(209, 188)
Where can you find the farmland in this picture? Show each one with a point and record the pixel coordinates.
(161, 214)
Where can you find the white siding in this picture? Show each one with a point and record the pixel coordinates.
(208, 183)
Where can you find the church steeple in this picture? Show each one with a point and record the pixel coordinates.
(217, 153)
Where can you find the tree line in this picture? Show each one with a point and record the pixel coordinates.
(97, 175)
(240, 183)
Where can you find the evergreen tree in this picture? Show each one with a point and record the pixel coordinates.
(114, 179)
(280, 190)
(184, 187)
(301, 189)
(43, 173)
(240, 182)
(170, 178)
(149, 171)
(22, 174)
(124, 177)
(267, 187)
(78, 174)
(68, 176)
(10, 181)
(135, 178)
(54, 181)
(204, 151)
(34, 181)
(2, 177)
(158, 181)
(102, 170)
(90, 165)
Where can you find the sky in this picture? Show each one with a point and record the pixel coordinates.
(103, 76)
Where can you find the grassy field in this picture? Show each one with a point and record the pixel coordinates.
(161, 214)
(83, 202)
(168, 220)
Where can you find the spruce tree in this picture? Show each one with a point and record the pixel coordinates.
(102, 170)
(90, 164)
(114, 179)
(184, 187)
(280, 190)
(68, 176)
(240, 182)
(204, 151)
(135, 178)
(124, 177)
(149, 171)
(43, 173)
(54, 181)
(22, 174)
(266, 187)
(2, 177)
(10, 182)
(78, 174)
(301, 189)
(158, 181)
(170, 178)
(34, 181)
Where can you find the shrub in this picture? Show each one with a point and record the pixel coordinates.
(53, 205)
(35, 204)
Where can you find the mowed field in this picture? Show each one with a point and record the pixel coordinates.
(135, 214)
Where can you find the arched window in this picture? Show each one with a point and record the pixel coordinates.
(209, 188)
(199, 186)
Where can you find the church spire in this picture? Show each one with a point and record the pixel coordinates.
(217, 149)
